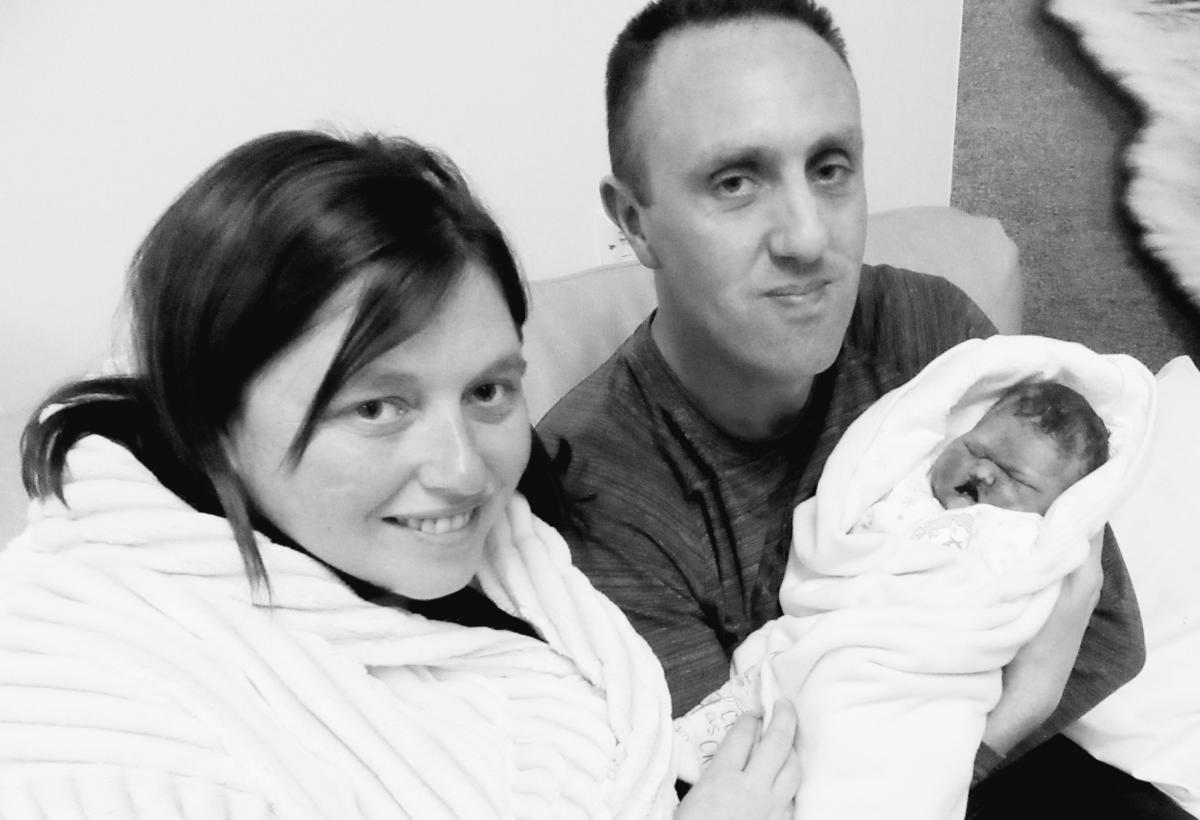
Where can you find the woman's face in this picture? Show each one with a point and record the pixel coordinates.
(415, 458)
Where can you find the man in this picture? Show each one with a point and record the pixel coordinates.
(737, 152)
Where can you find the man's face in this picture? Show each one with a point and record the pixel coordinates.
(749, 139)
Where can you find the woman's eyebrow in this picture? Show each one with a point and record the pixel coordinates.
(377, 376)
(510, 361)
(374, 378)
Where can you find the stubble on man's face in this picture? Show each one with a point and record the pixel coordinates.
(750, 143)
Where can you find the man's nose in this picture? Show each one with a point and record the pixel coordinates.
(799, 231)
(452, 463)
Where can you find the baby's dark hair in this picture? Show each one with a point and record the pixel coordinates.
(1062, 414)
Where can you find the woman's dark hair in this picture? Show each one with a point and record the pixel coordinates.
(236, 270)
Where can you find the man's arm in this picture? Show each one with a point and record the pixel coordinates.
(1112, 651)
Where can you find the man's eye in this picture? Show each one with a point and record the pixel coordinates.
(833, 173)
(734, 185)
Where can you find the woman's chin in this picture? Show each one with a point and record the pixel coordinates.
(436, 584)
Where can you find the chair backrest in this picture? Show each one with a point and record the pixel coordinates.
(578, 320)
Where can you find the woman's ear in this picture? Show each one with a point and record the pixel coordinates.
(228, 447)
(624, 209)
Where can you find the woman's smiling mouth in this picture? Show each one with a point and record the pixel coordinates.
(430, 525)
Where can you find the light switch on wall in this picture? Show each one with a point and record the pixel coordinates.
(610, 242)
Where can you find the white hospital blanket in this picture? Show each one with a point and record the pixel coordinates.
(892, 650)
(982, 540)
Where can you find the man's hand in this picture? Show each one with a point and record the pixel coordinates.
(1035, 678)
(749, 778)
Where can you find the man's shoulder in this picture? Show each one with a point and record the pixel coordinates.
(602, 429)
(899, 295)
(618, 458)
(905, 319)
(610, 392)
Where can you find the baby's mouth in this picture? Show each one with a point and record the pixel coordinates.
(968, 490)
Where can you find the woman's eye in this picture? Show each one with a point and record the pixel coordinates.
(378, 411)
(491, 393)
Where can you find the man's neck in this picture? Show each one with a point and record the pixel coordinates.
(747, 404)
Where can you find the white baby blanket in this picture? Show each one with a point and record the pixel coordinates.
(892, 654)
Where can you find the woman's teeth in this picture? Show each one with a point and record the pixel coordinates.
(437, 526)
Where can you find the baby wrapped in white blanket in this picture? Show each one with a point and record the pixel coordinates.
(897, 623)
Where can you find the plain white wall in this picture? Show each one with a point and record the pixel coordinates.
(109, 109)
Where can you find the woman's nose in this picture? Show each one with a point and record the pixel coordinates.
(452, 463)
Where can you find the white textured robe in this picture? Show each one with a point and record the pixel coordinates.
(140, 678)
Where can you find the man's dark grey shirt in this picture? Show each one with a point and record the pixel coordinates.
(687, 528)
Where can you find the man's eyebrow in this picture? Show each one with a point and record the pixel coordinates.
(850, 138)
(725, 156)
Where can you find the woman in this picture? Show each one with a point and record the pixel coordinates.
(283, 569)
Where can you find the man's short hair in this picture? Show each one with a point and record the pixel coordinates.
(1062, 414)
(631, 55)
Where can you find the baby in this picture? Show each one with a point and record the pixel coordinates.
(1038, 439)
(983, 493)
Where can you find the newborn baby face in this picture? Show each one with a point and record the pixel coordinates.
(1003, 461)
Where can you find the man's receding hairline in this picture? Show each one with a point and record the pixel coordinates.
(640, 184)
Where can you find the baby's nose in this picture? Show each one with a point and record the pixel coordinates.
(983, 473)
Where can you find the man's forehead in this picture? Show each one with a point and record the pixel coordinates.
(700, 69)
(763, 87)
(694, 47)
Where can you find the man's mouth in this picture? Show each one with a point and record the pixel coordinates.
(800, 291)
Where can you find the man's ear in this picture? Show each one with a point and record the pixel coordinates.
(625, 211)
